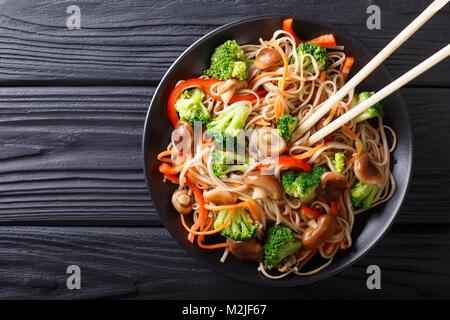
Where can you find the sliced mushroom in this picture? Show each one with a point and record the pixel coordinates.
(365, 170)
(263, 186)
(326, 227)
(227, 88)
(266, 58)
(248, 250)
(219, 196)
(269, 142)
(182, 201)
(183, 137)
(331, 186)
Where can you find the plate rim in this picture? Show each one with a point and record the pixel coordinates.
(296, 281)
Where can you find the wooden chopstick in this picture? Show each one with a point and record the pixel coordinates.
(383, 93)
(372, 65)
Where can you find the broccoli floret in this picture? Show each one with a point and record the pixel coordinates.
(362, 195)
(279, 244)
(338, 162)
(374, 111)
(226, 162)
(228, 62)
(319, 53)
(190, 107)
(303, 184)
(226, 129)
(286, 125)
(239, 228)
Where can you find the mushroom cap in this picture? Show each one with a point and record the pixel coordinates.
(326, 227)
(266, 58)
(183, 137)
(248, 250)
(182, 201)
(269, 142)
(331, 186)
(365, 170)
(265, 185)
(219, 196)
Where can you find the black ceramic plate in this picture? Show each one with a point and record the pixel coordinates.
(369, 226)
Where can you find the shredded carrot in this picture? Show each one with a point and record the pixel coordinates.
(161, 156)
(278, 109)
(254, 210)
(358, 142)
(342, 244)
(183, 222)
(193, 178)
(261, 122)
(331, 115)
(310, 153)
(270, 74)
(210, 246)
(226, 207)
(282, 83)
(322, 76)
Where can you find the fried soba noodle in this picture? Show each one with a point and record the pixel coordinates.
(281, 83)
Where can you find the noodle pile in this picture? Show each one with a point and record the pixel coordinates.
(299, 94)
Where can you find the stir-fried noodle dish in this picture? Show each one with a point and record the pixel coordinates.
(249, 182)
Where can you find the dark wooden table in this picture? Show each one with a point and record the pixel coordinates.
(72, 110)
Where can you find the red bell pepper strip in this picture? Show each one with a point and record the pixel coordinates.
(310, 212)
(326, 40)
(287, 26)
(348, 63)
(165, 168)
(205, 84)
(171, 111)
(284, 161)
(200, 200)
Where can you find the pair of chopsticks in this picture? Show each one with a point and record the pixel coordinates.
(367, 70)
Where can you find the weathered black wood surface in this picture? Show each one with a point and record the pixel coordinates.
(71, 183)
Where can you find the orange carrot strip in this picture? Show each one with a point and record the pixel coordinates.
(322, 76)
(193, 178)
(183, 222)
(210, 246)
(226, 207)
(254, 210)
(161, 156)
(331, 115)
(310, 153)
(282, 82)
(356, 138)
(270, 74)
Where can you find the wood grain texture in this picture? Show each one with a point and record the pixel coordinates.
(147, 263)
(72, 156)
(131, 42)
